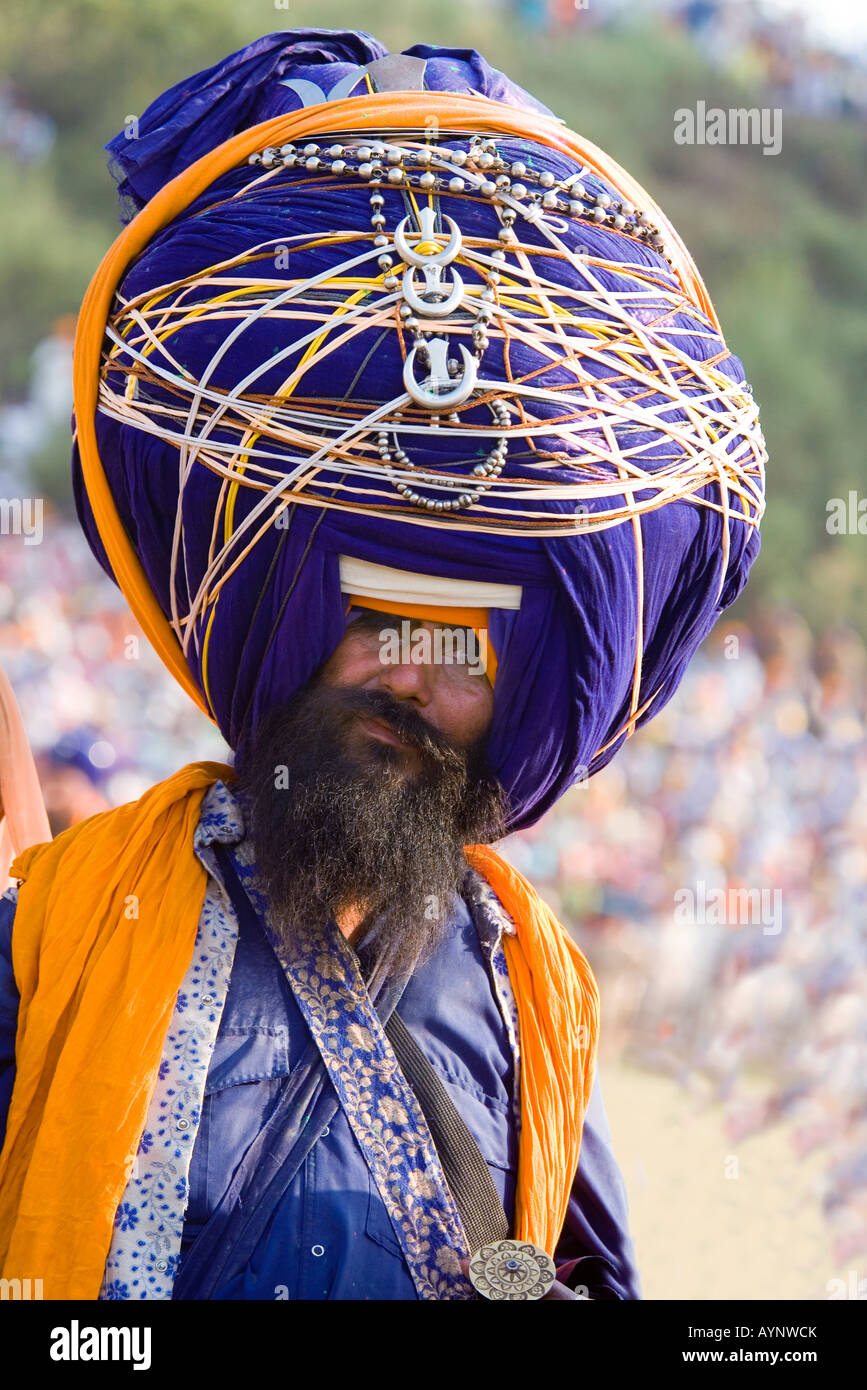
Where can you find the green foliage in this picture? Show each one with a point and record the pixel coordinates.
(779, 239)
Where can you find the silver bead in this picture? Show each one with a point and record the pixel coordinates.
(377, 220)
(549, 200)
(313, 162)
(335, 151)
(485, 160)
(603, 201)
(518, 170)
(506, 234)
(487, 189)
(578, 190)
(380, 240)
(456, 185)
(385, 262)
(377, 147)
(405, 311)
(619, 221)
(423, 157)
(575, 208)
(363, 153)
(338, 166)
(395, 156)
(546, 178)
(598, 214)
(311, 149)
(287, 149)
(365, 170)
(427, 180)
(519, 190)
(503, 181)
(627, 209)
(376, 200)
(458, 157)
(395, 175)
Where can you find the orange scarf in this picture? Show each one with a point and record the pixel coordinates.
(104, 931)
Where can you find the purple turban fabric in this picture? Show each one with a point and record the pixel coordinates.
(566, 658)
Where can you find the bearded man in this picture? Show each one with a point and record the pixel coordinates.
(385, 348)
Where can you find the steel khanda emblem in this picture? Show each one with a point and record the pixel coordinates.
(430, 258)
(427, 393)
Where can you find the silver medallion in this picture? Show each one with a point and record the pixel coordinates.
(511, 1269)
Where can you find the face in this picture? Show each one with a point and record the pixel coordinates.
(364, 790)
(455, 698)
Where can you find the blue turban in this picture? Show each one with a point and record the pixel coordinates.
(626, 510)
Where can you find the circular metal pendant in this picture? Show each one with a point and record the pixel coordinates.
(511, 1269)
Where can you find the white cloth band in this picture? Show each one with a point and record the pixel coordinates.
(370, 580)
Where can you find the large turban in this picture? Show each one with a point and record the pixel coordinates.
(382, 325)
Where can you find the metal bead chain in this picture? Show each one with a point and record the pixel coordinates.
(380, 162)
(484, 473)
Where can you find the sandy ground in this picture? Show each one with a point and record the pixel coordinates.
(758, 1233)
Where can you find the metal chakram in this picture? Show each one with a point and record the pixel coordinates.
(511, 1270)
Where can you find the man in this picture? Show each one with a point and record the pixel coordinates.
(337, 397)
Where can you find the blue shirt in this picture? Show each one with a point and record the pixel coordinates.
(324, 1232)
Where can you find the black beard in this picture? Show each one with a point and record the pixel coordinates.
(337, 818)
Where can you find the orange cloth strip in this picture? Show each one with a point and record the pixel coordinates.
(381, 113)
(103, 935)
(98, 986)
(476, 618)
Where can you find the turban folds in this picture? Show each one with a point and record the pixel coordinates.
(245, 424)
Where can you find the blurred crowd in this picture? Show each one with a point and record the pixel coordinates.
(773, 52)
(27, 135)
(104, 719)
(716, 876)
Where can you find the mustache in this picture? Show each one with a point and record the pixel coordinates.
(350, 702)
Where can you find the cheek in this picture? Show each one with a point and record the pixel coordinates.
(354, 662)
(466, 715)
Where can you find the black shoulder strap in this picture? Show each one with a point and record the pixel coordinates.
(465, 1169)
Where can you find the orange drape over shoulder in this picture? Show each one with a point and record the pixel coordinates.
(104, 932)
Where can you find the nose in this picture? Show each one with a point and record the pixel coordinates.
(407, 679)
